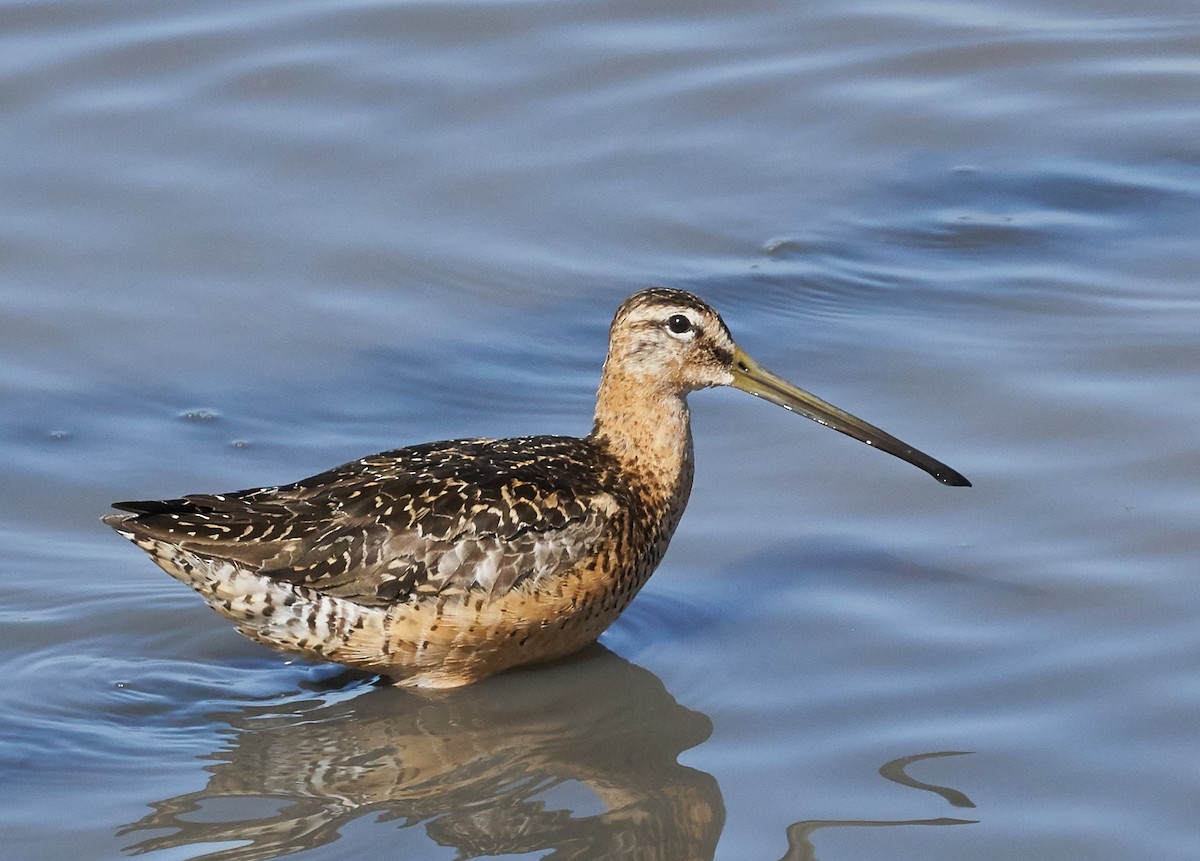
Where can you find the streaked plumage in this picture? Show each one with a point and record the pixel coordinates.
(440, 564)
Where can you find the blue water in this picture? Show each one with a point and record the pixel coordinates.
(243, 242)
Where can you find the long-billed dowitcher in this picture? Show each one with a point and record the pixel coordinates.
(443, 563)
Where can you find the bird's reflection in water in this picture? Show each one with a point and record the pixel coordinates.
(800, 846)
(493, 769)
(487, 770)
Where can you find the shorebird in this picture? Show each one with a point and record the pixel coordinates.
(440, 564)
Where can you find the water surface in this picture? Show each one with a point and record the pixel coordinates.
(245, 242)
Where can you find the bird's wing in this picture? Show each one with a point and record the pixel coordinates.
(444, 518)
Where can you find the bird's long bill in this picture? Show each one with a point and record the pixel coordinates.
(751, 377)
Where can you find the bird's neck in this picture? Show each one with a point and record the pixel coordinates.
(647, 430)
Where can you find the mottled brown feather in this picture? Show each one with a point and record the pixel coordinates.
(419, 520)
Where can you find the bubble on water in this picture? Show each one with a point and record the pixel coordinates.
(784, 246)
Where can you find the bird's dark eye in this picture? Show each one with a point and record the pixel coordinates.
(678, 323)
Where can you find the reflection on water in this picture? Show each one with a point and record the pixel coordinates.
(894, 771)
(800, 846)
(486, 770)
(584, 769)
